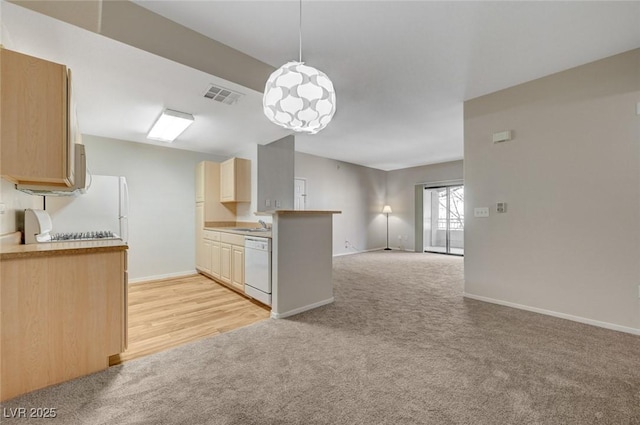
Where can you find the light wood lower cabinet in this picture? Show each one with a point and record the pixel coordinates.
(215, 259)
(222, 257)
(206, 256)
(237, 267)
(61, 317)
(225, 263)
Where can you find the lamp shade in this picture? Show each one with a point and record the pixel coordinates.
(299, 98)
(386, 210)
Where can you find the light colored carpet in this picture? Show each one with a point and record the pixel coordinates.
(399, 346)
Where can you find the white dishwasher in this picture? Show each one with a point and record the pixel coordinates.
(257, 268)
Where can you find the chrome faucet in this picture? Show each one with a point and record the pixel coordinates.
(263, 224)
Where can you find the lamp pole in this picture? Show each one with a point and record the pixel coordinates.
(386, 210)
(387, 248)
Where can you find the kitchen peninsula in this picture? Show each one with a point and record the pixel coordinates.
(301, 241)
(301, 260)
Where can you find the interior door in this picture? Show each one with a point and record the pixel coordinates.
(300, 194)
(443, 226)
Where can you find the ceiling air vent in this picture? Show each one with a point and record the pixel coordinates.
(220, 94)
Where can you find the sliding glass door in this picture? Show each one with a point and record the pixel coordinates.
(443, 211)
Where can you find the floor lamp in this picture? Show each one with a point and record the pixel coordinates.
(387, 210)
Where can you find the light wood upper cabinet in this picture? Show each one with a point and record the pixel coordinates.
(38, 127)
(235, 180)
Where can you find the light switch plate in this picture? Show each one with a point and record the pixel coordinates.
(502, 136)
(481, 212)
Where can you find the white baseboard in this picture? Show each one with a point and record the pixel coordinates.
(162, 276)
(578, 319)
(275, 315)
(371, 250)
(357, 252)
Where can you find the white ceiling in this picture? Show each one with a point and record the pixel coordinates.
(401, 69)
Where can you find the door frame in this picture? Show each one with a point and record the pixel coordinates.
(419, 208)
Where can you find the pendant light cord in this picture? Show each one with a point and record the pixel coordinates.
(300, 32)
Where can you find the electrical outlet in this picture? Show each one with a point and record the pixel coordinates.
(278, 204)
(346, 244)
(267, 203)
(3, 208)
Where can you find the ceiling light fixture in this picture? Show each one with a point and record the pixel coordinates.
(169, 125)
(299, 97)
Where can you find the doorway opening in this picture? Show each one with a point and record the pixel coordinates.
(443, 219)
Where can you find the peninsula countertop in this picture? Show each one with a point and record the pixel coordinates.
(296, 212)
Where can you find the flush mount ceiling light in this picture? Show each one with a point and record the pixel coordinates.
(169, 125)
(299, 97)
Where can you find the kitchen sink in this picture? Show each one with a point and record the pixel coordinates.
(254, 229)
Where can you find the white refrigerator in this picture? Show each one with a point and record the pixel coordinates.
(104, 207)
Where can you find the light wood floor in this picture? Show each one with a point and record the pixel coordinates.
(171, 312)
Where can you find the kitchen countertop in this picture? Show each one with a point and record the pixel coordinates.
(297, 212)
(239, 232)
(9, 252)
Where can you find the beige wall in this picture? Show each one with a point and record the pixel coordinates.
(15, 202)
(275, 174)
(357, 191)
(569, 243)
(161, 202)
(401, 197)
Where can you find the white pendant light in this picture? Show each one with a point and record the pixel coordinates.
(299, 97)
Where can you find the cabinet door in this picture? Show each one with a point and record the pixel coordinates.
(35, 134)
(206, 255)
(117, 307)
(227, 181)
(237, 267)
(225, 262)
(215, 259)
(235, 180)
